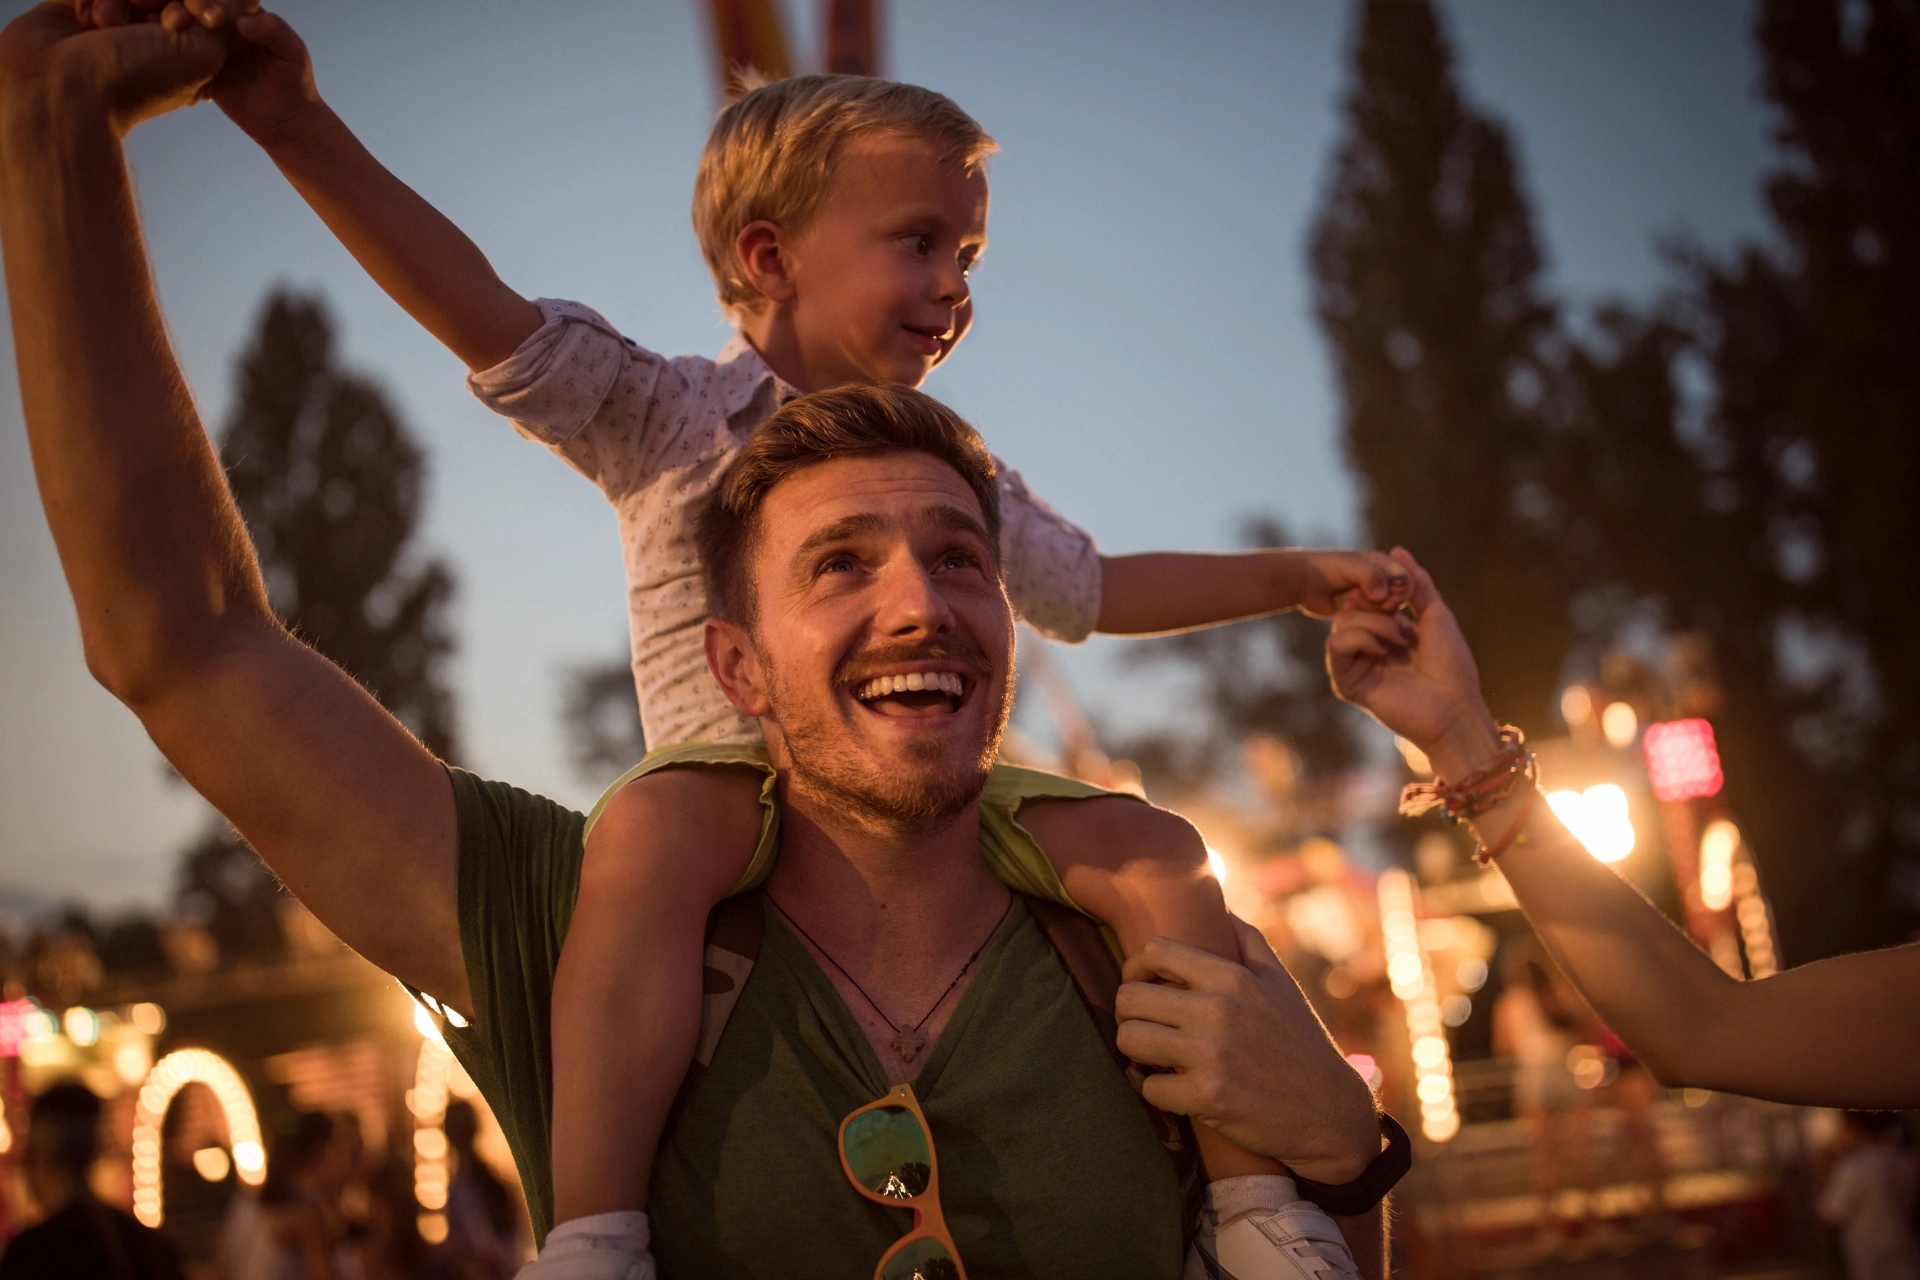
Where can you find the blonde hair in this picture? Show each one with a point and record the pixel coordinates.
(770, 156)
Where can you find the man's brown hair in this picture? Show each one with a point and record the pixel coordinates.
(770, 156)
(852, 421)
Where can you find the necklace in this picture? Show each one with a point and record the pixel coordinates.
(907, 1041)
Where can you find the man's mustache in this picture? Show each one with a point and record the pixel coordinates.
(862, 667)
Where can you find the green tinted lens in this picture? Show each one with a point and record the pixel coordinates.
(922, 1259)
(888, 1153)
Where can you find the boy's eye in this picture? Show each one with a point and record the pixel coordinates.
(920, 244)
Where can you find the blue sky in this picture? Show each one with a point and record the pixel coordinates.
(1144, 352)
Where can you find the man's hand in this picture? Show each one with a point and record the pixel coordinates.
(131, 71)
(1415, 676)
(1336, 580)
(1245, 1053)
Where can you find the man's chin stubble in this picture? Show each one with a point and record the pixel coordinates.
(910, 804)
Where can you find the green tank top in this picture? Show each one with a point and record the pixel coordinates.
(1048, 1163)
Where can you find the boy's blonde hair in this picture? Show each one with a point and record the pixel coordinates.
(770, 156)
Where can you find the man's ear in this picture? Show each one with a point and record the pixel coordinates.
(762, 249)
(731, 658)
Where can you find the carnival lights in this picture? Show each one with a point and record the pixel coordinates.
(171, 1074)
(1412, 980)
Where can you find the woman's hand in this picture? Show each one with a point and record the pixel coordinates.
(1415, 675)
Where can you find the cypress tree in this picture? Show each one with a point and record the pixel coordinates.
(1426, 284)
(329, 480)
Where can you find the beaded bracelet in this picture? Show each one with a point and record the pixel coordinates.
(1479, 791)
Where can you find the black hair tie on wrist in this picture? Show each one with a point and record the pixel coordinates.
(1351, 1199)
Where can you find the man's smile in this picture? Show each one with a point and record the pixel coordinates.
(914, 694)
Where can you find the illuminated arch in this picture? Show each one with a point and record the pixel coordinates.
(171, 1074)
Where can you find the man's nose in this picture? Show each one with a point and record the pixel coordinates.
(911, 604)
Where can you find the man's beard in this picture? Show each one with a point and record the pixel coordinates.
(919, 798)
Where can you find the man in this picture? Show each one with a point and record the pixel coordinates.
(462, 889)
(79, 1237)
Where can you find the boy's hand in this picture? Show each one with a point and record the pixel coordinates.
(268, 82)
(1336, 580)
(268, 77)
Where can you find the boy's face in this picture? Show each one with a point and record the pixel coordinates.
(879, 277)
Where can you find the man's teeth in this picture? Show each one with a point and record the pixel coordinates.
(946, 682)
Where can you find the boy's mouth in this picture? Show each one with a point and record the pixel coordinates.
(913, 694)
(928, 342)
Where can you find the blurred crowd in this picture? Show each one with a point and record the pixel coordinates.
(328, 1210)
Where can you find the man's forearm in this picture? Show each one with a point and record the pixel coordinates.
(413, 251)
(154, 551)
(1161, 591)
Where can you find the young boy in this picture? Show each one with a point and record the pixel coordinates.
(840, 217)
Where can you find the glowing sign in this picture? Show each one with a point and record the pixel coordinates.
(1682, 761)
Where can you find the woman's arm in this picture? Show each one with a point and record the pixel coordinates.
(1840, 1033)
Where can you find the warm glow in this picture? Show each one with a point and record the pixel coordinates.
(171, 1074)
(212, 1164)
(1717, 847)
(6, 1136)
(148, 1019)
(1216, 864)
(423, 1023)
(1598, 818)
(433, 1227)
(1619, 723)
(1576, 705)
(82, 1026)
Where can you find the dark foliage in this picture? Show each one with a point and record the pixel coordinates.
(1265, 676)
(1741, 457)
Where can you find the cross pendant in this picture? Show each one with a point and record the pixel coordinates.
(907, 1042)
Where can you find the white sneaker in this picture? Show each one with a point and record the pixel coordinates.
(1257, 1228)
(604, 1246)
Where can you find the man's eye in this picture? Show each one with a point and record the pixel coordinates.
(956, 560)
(839, 564)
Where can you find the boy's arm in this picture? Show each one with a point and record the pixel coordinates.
(1164, 591)
(413, 252)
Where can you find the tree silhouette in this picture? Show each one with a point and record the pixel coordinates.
(329, 480)
(1771, 506)
(1426, 284)
(600, 713)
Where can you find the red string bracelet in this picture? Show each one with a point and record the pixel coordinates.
(1486, 853)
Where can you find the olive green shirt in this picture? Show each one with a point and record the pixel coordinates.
(1048, 1165)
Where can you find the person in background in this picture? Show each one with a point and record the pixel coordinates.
(1869, 1197)
(480, 1209)
(300, 1233)
(80, 1238)
(1533, 1025)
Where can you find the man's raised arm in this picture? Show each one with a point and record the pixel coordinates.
(348, 809)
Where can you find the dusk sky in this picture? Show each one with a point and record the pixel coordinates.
(1144, 351)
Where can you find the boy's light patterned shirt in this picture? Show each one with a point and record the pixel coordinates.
(654, 434)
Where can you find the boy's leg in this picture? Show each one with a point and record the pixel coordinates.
(626, 996)
(1143, 873)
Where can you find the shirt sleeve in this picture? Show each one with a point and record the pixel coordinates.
(1051, 565)
(605, 404)
(518, 876)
